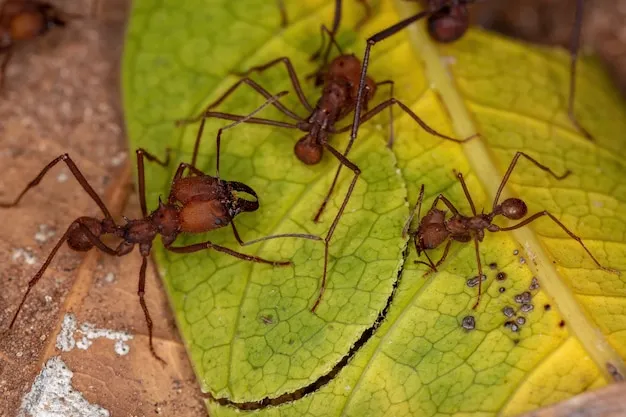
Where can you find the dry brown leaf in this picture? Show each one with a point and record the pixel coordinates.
(62, 95)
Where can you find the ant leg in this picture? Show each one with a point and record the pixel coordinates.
(208, 245)
(284, 235)
(429, 264)
(33, 281)
(357, 172)
(141, 291)
(368, 14)
(445, 201)
(218, 138)
(234, 117)
(3, 66)
(417, 209)
(390, 102)
(39, 274)
(283, 13)
(320, 210)
(255, 86)
(566, 230)
(292, 76)
(332, 32)
(444, 255)
(371, 41)
(141, 153)
(459, 176)
(318, 74)
(573, 49)
(480, 272)
(510, 170)
(77, 174)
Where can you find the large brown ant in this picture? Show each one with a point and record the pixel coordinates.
(197, 203)
(338, 99)
(447, 21)
(24, 20)
(434, 229)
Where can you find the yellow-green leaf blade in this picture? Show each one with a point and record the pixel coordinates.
(421, 361)
(248, 328)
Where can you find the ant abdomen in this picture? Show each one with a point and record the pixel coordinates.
(308, 151)
(27, 26)
(202, 216)
(449, 24)
(78, 239)
(513, 208)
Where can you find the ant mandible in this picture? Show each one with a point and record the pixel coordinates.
(448, 20)
(24, 20)
(434, 229)
(197, 203)
(338, 99)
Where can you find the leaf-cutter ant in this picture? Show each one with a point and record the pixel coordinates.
(338, 99)
(24, 20)
(434, 229)
(197, 203)
(447, 21)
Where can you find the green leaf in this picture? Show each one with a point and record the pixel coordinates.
(248, 328)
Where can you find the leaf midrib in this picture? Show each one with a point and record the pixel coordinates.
(483, 166)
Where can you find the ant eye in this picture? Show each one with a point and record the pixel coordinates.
(218, 221)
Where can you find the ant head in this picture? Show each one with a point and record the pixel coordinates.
(238, 204)
(513, 208)
(166, 219)
(434, 216)
(432, 235)
(308, 151)
(78, 238)
(449, 24)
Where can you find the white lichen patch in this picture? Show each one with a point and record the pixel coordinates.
(44, 233)
(86, 334)
(62, 177)
(52, 395)
(109, 277)
(24, 254)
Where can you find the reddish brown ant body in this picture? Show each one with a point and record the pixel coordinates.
(338, 99)
(434, 229)
(197, 203)
(24, 20)
(447, 21)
